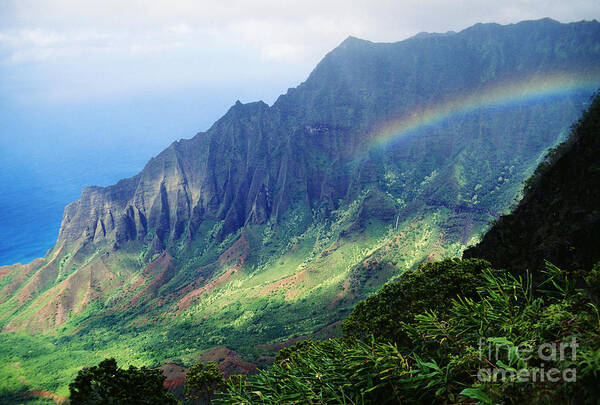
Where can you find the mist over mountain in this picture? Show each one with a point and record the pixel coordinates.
(256, 159)
(428, 337)
(558, 218)
(274, 222)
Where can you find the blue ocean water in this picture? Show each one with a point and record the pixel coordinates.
(48, 154)
(37, 187)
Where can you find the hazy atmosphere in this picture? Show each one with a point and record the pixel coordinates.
(324, 202)
(71, 51)
(90, 90)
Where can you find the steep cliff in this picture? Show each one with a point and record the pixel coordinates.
(257, 160)
(276, 220)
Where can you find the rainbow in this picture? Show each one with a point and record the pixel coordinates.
(535, 88)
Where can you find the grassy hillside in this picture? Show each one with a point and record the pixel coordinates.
(273, 224)
(459, 331)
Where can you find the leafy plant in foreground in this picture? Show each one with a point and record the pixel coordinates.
(430, 287)
(447, 350)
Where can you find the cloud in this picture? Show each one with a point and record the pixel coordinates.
(89, 48)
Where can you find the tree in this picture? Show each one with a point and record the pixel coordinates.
(201, 382)
(107, 384)
(429, 287)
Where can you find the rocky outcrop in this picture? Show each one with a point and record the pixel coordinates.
(257, 161)
(156, 239)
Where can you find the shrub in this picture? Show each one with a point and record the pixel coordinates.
(108, 384)
(430, 287)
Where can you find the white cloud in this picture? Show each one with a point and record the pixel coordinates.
(283, 52)
(130, 45)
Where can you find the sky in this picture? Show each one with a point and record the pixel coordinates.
(73, 51)
(91, 89)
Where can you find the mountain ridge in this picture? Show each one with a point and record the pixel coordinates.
(246, 170)
(271, 224)
(251, 111)
(421, 339)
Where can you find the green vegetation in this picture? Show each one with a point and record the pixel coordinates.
(448, 347)
(558, 211)
(201, 382)
(108, 384)
(271, 226)
(299, 277)
(428, 288)
(456, 331)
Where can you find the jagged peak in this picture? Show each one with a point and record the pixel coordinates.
(547, 21)
(425, 34)
(342, 59)
(352, 42)
(248, 106)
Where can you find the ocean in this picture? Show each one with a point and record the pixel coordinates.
(48, 154)
(37, 187)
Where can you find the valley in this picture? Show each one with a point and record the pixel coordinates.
(272, 225)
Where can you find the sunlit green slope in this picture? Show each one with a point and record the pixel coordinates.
(278, 219)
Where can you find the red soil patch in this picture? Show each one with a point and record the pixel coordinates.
(38, 281)
(45, 394)
(237, 253)
(160, 271)
(19, 273)
(229, 361)
(4, 270)
(175, 376)
(192, 296)
(202, 273)
(22, 273)
(346, 292)
(72, 295)
(174, 384)
(235, 256)
(287, 283)
(19, 268)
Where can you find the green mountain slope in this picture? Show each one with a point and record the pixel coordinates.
(275, 221)
(558, 218)
(459, 331)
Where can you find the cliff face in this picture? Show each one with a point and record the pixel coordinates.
(278, 204)
(246, 169)
(257, 161)
(274, 222)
